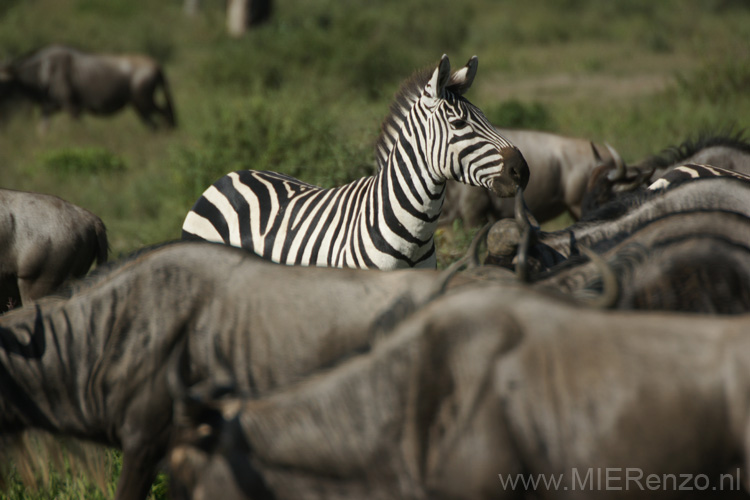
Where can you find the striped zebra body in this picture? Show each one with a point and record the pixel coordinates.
(385, 221)
(693, 171)
(298, 211)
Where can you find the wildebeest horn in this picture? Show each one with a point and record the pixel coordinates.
(524, 217)
(610, 286)
(619, 172)
(527, 229)
(522, 268)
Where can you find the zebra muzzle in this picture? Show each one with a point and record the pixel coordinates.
(515, 174)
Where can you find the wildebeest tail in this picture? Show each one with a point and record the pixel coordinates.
(102, 243)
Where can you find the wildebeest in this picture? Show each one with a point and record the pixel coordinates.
(616, 220)
(694, 262)
(728, 150)
(91, 363)
(559, 168)
(44, 241)
(477, 392)
(63, 78)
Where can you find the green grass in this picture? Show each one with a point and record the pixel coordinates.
(305, 94)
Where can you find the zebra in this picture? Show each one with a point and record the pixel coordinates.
(385, 221)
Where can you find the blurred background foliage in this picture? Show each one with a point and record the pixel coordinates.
(305, 93)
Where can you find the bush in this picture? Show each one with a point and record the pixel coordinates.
(86, 160)
(716, 81)
(516, 114)
(269, 134)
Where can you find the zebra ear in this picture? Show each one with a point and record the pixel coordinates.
(462, 79)
(436, 86)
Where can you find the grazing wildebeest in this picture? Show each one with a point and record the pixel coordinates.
(614, 221)
(91, 364)
(559, 170)
(62, 78)
(726, 150)
(476, 390)
(385, 221)
(44, 241)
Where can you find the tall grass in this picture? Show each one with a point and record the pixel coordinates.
(306, 92)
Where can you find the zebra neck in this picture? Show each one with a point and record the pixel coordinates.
(402, 209)
(407, 177)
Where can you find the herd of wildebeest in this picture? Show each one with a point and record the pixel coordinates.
(614, 344)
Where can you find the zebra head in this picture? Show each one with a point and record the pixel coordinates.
(461, 143)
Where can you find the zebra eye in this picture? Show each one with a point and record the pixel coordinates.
(458, 123)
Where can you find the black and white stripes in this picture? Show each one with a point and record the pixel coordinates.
(385, 221)
(692, 171)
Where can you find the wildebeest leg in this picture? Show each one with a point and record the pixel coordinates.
(137, 474)
(145, 114)
(168, 109)
(143, 100)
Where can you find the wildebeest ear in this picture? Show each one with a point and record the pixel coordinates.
(462, 79)
(435, 88)
(597, 154)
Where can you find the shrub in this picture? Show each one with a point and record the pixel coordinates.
(85, 160)
(716, 81)
(516, 114)
(269, 134)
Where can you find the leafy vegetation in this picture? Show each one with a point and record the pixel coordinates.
(305, 94)
(89, 160)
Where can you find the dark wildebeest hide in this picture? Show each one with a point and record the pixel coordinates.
(690, 262)
(44, 241)
(559, 169)
(476, 389)
(62, 78)
(614, 222)
(92, 364)
(727, 150)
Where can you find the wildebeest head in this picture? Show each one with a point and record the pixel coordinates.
(209, 450)
(608, 180)
(728, 149)
(7, 84)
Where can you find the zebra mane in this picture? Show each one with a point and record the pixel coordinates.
(408, 94)
(676, 154)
